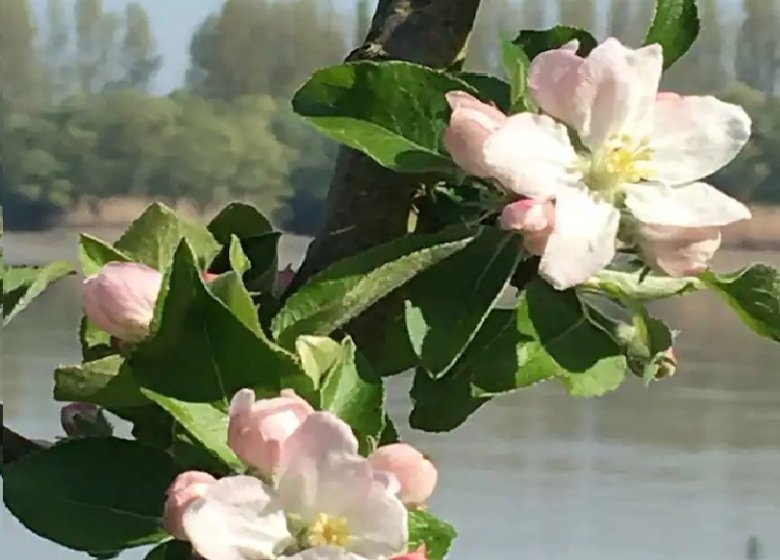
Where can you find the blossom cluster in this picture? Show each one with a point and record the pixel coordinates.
(609, 164)
(308, 493)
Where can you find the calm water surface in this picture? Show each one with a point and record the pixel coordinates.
(687, 469)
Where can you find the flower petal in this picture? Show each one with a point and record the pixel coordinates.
(325, 553)
(531, 155)
(379, 525)
(678, 251)
(616, 92)
(320, 470)
(695, 136)
(237, 519)
(471, 123)
(582, 242)
(553, 79)
(693, 205)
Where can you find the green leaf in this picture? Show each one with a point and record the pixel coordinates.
(587, 359)
(352, 392)
(153, 238)
(675, 27)
(199, 350)
(490, 88)
(535, 42)
(21, 285)
(258, 241)
(516, 65)
(641, 287)
(754, 293)
(230, 289)
(171, 550)
(395, 112)
(207, 424)
(92, 494)
(239, 219)
(341, 292)
(441, 405)
(437, 535)
(475, 277)
(318, 354)
(95, 253)
(108, 382)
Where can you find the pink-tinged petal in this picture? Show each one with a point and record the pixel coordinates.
(691, 206)
(237, 519)
(616, 92)
(326, 553)
(582, 242)
(678, 251)
(379, 525)
(258, 429)
(417, 475)
(553, 79)
(471, 124)
(120, 299)
(420, 554)
(532, 156)
(695, 136)
(528, 215)
(321, 470)
(186, 489)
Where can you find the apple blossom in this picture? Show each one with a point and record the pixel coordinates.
(642, 155)
(120, 299)
(258, 429)
(188, 487)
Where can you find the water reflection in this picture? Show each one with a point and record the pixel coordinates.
(684, 469)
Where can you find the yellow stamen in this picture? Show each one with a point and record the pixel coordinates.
(622, 160)
(329, 530)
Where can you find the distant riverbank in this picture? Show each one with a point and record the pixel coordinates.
(762, 233)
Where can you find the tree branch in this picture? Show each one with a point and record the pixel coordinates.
(367, 204)
(15, 446)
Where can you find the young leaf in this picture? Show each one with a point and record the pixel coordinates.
(352, 392)
(92, 494)
(21, 285)
(535, 42)
(449, 302)
(586, 359)
(199, 350)
(171, 550)
(639, 287)
(675, 27)
(239, 219)
(754, 293)
(516, 65)
(108, 382)
(95, 253)
(207, 425)
(344, 290)
(437, 535)
(395, 112)
(152, 239)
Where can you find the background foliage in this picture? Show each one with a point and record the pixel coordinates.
(80, 121)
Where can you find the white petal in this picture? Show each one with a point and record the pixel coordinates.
(616, 92)
(326, 553)
(531, 155)
(379, 524)
(320, 470)
(553, 79)
(242, 402)
(695, 136)
(582, 242)
(389, 481)
(237, 519)
(678, 251)
(693, 205)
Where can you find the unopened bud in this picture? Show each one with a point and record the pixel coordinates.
(85, 420)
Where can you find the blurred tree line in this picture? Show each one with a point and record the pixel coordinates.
(79, 121)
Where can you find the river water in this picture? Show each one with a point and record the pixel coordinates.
(686, 469)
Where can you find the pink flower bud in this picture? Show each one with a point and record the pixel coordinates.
(258, 429)
(120, 299)
(471, 124)
(678, 251)
(84, 420)
(534, 218)
(420, 554)
(416, 474)
(283, 280)
(187, 488)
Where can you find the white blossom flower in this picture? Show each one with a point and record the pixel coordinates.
(641, 152)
